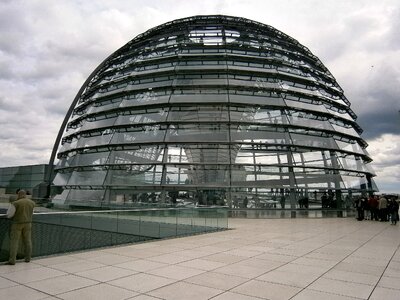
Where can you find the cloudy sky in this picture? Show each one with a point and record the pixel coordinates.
(48, 48)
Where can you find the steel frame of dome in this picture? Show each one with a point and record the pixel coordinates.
(210, 110)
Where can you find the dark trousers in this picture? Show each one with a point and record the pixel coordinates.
(383, 214)
(394, 217)
(360, 214)
(374, 214)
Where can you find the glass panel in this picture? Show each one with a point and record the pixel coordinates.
(203, 98)
(100, 106)
(313, 141)
(143, 155)
(149, 97)
(81, 178)
(135, 175)
(87, 125)
(198, 175)
(61, 179)
(354, 182)
(199, 113)
(349, 131)
(344, 115)
(81, 196)
(315, 159)
(256, 100)
(85, 142)
(298, 120)
(90, 159)
(260, 135)
(246, 156)
(313, 107)
(198, 133)
(355, 148)
(160, 116)
(141, 135)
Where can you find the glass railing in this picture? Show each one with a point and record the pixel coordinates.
(60, 232)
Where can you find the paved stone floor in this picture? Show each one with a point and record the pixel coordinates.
(257, 259)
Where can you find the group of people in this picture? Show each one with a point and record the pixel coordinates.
(377, 208)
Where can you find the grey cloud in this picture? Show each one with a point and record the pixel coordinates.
(379, 103)
(7, 105)
(5, 71)
(14, 27)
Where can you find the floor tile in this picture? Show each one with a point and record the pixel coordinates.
(19, 266)
(394, 265)
(144, 297)
(134, 253)
(141, 265)
(77, 266)
(241, 270)
(291, 252)
(213, 249)
(389, 282)
(175, 272)
(5, 283)
(344, 288)
(258, 248)
(216, 280)
(99, 292)
(105, 274)
(141, 283)
(359, 268)
(288, 278)
(169, 258)
(225, 258)
(336, 257)
(311, 295)
(21, 293)
(234, 296)
(54, 260)
(267, 290)
(202, 264)
(367, 261)
(352, 277)
(243, 252)
(185, 291)
(110, 259)
(192, 253)
(276, 257)
(35, 274)
(381, 293)
(61, 284)
(314, 270)
(306, 261)
(390, 272)
(262, 264)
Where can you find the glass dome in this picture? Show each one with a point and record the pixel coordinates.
(211, 110)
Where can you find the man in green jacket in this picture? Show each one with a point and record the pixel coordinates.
(21, 226)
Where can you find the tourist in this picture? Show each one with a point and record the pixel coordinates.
(393, 209)
(360, 204)
(21, 217)
(382, 209)
(373, 206)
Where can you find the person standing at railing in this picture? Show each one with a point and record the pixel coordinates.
(20, 213)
